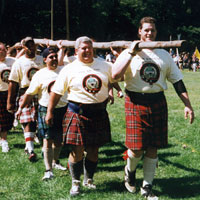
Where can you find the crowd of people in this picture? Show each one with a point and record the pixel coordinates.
(64, 99)
(186, 60)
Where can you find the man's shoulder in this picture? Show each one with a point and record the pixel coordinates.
(100, 60)
(38, 57)
(162, 51)
(23, 57)
(9, 60)
(42, 70)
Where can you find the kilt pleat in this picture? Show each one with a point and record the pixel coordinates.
(6, 118)
(81, 130)
(29, 113)
(146, 123)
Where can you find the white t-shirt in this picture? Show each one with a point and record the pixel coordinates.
(149, 70)
(69, 59)
(85, 83)
(24, 68)
(42, 83)
(5, 68)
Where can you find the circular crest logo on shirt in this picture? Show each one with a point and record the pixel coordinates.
(50, 86)
(92, 83)
(31, 72)
(5, 75)
(150, 73)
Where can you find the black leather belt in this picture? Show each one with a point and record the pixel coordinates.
(22, 90)
(145, 96)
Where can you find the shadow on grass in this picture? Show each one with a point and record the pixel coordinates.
(22, 146)
(111, 152)
(111, 186)
(163, 156)
(178, 188)
(173, 188)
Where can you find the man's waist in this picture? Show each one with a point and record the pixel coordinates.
(154, 95)
(86, 108)
(22, 90)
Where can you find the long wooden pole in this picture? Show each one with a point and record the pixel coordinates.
(123, 44)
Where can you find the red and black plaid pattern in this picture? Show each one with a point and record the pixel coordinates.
(6, 118)
(146, 122)
(81, 130)
(29, 113)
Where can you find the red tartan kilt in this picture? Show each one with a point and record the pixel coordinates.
(6, 118)
(29, 113)
(80, 130)
(146, 124)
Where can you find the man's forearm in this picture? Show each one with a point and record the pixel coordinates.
(185, 99)
(12, 94)
(53, 101)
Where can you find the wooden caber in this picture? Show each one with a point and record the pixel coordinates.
(123, 44)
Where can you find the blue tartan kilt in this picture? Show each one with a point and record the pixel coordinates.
(54, 132)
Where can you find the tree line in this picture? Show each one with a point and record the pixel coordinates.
(102, 20)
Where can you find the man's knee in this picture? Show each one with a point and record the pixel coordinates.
(76, 154)
(92, 153)
(135, 153)
(29, 127)
(151, 152)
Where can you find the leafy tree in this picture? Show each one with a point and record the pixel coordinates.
(101, 19)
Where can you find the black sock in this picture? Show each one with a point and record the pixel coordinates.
(89, 169)
(76, 169)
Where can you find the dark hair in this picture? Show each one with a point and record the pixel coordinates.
(48, 51)
(12, 51)
(147, 20)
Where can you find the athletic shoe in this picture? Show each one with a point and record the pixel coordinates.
(130, 180)
(26, 151)
(59, 166)
(51, 173)
(89, 184)
(36, 139)
(5, 147)
(32, 156)
(15, 123)
(47, 175)
(75, 189)
(146, 192)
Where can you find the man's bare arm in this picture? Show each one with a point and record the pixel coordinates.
(53, 101)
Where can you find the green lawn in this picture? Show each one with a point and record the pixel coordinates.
(177, 175)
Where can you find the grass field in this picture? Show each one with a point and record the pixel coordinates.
(177, 175)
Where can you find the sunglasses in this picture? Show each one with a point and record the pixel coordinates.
(51, 57)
